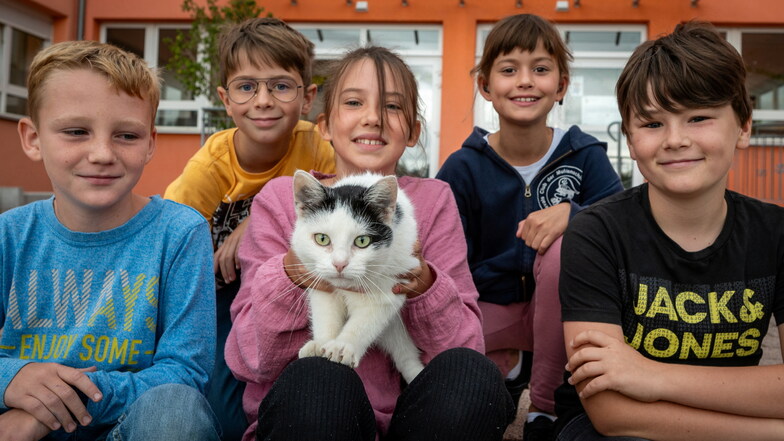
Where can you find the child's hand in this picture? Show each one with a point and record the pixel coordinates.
(540, 229)
(47, 391)
(18, 425)
(606, 363)
(420, 279)
(301, 277)
(226, 260)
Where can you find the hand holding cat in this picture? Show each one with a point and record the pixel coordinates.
(541, 228)
(420, 279)
(226, 260)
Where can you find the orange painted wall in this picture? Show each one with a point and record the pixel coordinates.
(459, 26)
(758, 171)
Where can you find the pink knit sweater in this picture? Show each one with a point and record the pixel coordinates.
(270, 313)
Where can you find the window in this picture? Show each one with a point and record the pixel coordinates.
(419, 46)
(179, 111)
(22, 34)
(765, 80)
(600, 52)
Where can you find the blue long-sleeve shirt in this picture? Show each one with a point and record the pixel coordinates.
(493, 198)
(136, 301)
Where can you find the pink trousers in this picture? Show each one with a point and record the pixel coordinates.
(532, 326)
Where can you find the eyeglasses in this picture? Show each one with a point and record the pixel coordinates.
(242, 90)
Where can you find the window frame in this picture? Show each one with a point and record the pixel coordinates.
(151, 43)
(734, 36)
(17, 17)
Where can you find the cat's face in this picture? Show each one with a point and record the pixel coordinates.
(343, 233)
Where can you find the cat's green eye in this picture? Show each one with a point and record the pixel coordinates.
(321, 239)
(362, 241)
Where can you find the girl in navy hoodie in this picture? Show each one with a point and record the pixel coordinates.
(516, 190)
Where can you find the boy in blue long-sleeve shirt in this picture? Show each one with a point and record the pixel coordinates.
(104, 328)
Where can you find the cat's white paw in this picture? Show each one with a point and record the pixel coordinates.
(411, 371)
(340, 352)
(310, 349)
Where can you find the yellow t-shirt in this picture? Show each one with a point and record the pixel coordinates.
(214, 183)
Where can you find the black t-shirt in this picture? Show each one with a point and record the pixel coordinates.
(710, 307)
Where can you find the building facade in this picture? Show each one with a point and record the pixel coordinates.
(440, 39)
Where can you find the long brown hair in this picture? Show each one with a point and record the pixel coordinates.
(384, 60)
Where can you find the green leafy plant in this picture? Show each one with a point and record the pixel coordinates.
(194, 52)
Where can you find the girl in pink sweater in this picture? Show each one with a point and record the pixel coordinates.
(370, 120)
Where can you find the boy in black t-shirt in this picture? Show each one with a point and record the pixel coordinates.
(668, 288)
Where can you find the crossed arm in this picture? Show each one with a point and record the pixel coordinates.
(626, 394)
(43, 397)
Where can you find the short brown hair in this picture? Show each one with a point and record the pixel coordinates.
(693, 67)
(383, 59)
(524, 32)
(265, 40)
(125, 71)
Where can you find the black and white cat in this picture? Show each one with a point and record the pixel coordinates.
(358, 235)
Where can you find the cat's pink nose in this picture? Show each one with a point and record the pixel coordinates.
(339, 266)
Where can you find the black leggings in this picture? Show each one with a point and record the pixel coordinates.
(460, 395)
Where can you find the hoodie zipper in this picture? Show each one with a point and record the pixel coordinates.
(547, 166)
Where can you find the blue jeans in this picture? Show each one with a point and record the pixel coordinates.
(224, 392)
(581, 429)
(170, 412)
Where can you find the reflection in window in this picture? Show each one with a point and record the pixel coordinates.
(766, 129)
(342, 39)
(176, 118)
(130, 39)
(765, 70)
(591, 97)
(16, 104)
(23, 48)
(172, 87)
(404, 39)
(601, 41)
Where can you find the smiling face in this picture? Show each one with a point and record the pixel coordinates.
(689, 152)
(523, 86)
(355, 123)
(264, 121)
(94, 142)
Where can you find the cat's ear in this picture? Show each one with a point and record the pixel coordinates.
(383, 196)
(307, 190)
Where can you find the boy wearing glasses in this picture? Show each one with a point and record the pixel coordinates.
(265, 71)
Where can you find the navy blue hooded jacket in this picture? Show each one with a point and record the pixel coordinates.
(493, 198)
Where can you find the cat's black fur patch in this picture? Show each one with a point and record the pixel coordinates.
(353, 197)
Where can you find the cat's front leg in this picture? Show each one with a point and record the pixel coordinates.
(398, 343)
(367, 319)
(327, 315)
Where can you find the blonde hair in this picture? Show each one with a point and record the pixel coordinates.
(125, 71)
